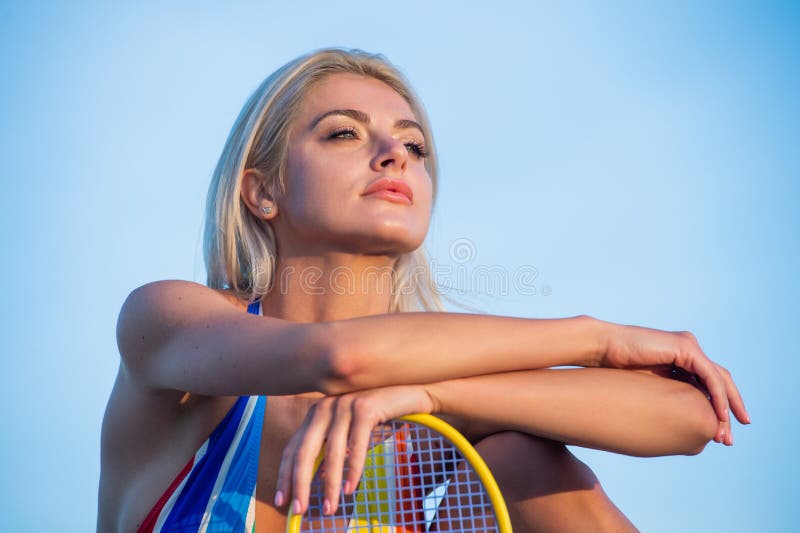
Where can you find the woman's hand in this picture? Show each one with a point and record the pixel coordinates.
(343, 424)
(639, 347)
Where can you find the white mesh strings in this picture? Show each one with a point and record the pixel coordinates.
(414, 480)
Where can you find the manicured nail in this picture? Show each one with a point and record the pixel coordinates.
(279, 498)
(296, 506)
(326, 506)
(347, 487)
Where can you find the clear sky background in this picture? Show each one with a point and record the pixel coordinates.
(643, 159)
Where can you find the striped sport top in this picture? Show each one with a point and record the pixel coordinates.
(216, 490)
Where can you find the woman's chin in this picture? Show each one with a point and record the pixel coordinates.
(387, 243)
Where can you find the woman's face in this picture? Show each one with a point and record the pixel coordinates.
(350, 132)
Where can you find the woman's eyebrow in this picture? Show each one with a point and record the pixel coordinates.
(360, 116)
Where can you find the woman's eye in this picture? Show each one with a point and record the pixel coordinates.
(413, 147)
(417, 149)
(345, 133)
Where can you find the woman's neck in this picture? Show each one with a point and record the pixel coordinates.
(334, 286)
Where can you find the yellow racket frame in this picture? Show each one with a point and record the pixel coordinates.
(294, 521)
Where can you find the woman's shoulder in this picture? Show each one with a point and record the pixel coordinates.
(232, 297)
(151, 311)
(179, 289)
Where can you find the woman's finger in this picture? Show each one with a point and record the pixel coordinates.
(734, 397)
(728, 433)
(724, 435)
(283, 486)
(360, 431)
(723, 429)
(711, 378)
(735, 400)
(307, 452)
(335, 451)
(692, 358)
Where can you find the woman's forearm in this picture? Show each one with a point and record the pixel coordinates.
(620, 411)
(182, 336)
(408, 348)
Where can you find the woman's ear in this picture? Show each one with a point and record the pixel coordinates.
(255, 195)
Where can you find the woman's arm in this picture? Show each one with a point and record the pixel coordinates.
(179, 335)
(608, 409)
(183, 336)
(620, 411)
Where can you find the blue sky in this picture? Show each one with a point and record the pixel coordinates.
(641, 160)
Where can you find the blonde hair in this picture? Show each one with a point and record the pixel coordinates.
(240, 250)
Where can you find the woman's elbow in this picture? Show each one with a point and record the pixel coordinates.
(702, 422)
(340, 361)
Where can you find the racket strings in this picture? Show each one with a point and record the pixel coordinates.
(414, 481)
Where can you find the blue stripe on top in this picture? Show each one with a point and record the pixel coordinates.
(220, 490)
(238, 490)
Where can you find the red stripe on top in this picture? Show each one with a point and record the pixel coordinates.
(152, 517)
(408, 481)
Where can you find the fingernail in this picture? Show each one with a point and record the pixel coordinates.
(347, 487)
(279, 498)
(326, 507)
(296, 506)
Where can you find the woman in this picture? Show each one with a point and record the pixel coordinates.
(320, 319)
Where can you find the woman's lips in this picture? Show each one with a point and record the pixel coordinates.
(392, 196)
(390, 189)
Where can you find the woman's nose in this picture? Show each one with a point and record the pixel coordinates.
(392, 154)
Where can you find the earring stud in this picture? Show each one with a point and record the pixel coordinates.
(266, 209)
